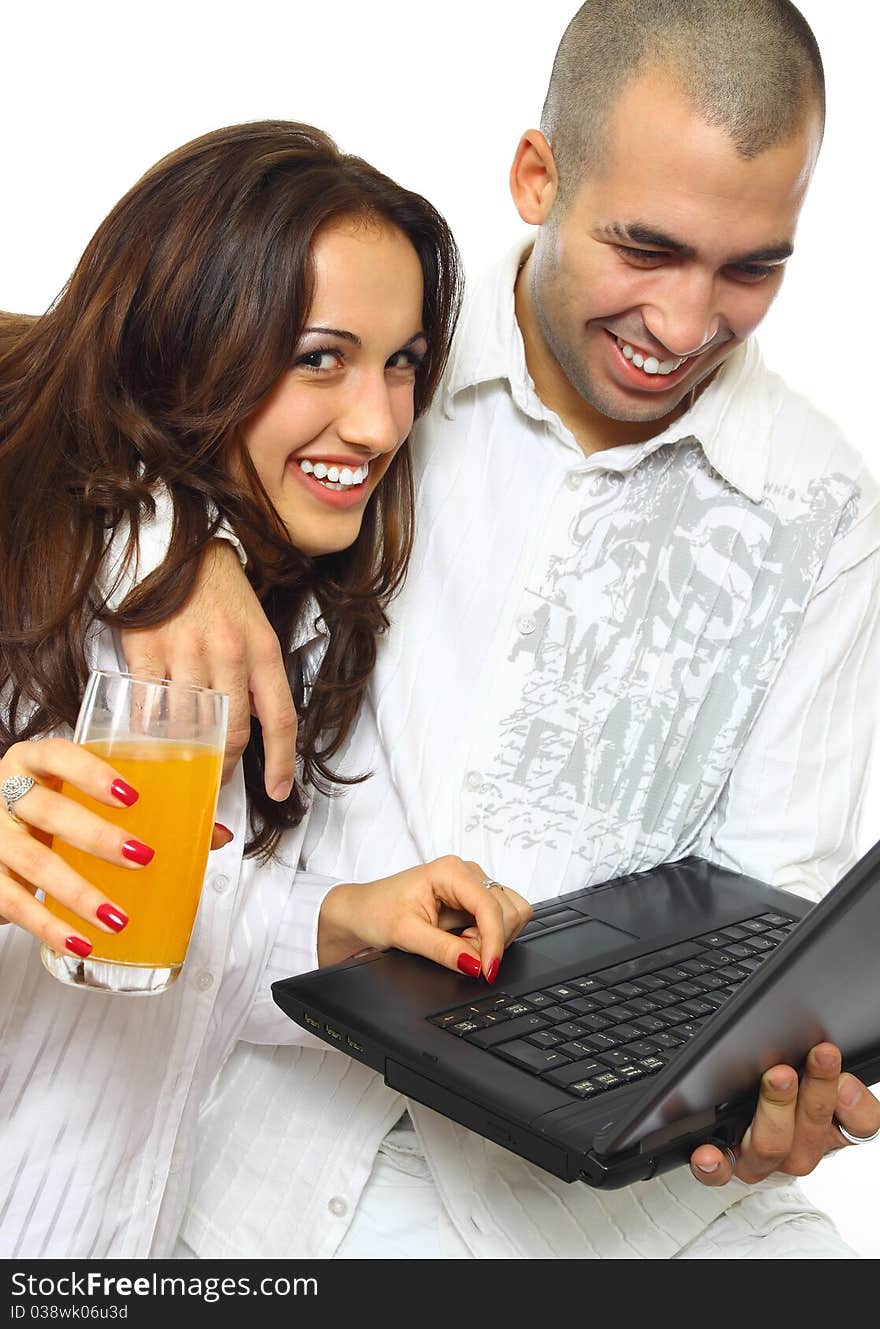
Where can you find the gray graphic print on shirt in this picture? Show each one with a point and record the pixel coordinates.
(659, 632)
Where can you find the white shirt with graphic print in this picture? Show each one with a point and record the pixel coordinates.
(597, 665)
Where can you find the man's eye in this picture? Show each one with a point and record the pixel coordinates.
(641, 256)
(751, 273)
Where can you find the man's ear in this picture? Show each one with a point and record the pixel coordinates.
(533, 179)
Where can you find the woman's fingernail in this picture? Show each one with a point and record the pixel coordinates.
(224, 830)
(136, 852)
(708, 1167)
(281, 791)
(469, 964)
(849, 1091)
(79, 946)
(111, 917)
(124, 792)
(492, 971)
(784, 1081)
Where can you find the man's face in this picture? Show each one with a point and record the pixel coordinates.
(663, 261)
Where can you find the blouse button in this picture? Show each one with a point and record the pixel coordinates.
(474, 780)
(221, 884)
(204, 980)
(575, 479)
(526, 625)
(338, 1206)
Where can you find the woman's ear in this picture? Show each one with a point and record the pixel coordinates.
(533, 179)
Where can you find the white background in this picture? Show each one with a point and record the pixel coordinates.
(92, 93)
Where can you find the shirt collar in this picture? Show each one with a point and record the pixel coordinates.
(731, 419)
(310, 626)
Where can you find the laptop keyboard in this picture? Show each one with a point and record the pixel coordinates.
(597, 1031)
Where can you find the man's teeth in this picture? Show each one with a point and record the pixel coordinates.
(335, 477)
(650, 364)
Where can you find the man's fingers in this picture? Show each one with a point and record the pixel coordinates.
(768, 1140)
(144, 653)
(712, 1166)
(274, 708)
(815, 1109)
(856, 1109)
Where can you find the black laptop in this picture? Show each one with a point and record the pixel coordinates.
(633, 1020)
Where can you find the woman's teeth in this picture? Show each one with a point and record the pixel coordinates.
(650, 364)
(335, 477)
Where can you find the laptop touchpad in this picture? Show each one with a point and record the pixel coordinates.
(581, 941)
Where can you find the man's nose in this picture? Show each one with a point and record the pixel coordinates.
(368, 421)
(686, 315)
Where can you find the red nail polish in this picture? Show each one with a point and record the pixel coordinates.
(124, 792)
(218, 825)
(137, 852)
(111, 916)
(469, 965)
(78, 946)
(492, 971)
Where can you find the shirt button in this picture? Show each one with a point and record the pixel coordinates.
(221, 884)
(526, 625)
(338, 1206)
(575, 479)
(204, 980)
(474, 780)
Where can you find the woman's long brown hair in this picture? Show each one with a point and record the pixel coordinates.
(181, 316)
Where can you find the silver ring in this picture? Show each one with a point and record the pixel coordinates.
(731, 1156)
(490, 884)
(13, 788)
(856, 1139)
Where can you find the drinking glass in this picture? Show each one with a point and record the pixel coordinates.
(166, 740)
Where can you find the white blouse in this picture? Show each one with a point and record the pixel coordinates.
(99, 1094)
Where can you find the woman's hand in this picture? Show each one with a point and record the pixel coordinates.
(414, 910)
(28, 864)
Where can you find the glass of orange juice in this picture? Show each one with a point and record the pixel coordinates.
(166, 740)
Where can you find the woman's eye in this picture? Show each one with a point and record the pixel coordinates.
(318, 360)
(406, 360)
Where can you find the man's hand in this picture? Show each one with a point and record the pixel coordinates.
(793, 1126)
(222, 639)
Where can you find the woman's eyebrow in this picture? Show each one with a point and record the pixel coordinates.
(353, 337)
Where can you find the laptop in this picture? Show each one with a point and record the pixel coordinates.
(632, 1020)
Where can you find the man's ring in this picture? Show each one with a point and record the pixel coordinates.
(490, 884)
(13, 788)
(856, 1139)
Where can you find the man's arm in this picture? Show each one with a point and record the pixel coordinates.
(792, 816)
(220, 639)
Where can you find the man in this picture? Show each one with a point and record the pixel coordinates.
(641, 621)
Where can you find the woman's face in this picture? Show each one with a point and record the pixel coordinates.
(328, 430)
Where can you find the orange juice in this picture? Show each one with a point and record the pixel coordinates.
(178, 784)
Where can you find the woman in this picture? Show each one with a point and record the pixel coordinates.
(246, 340)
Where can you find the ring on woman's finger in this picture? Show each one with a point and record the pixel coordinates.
(13, 788)
(490, 884)
(856, 1139)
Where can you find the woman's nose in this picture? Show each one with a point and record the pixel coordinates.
(368, 421)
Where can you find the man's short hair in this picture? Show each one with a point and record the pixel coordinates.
(752, 67)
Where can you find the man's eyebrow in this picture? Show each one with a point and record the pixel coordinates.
(355, 339)
(637, 233)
